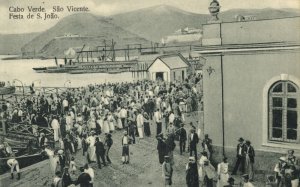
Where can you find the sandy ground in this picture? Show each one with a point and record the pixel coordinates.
(143, 170)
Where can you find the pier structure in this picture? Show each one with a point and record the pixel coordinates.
(140, 72)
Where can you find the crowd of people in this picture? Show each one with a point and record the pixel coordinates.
(79, 117)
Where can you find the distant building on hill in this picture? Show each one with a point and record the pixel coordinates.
(245, 18)
(184, 35)
(68, 35)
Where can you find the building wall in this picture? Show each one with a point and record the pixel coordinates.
(213, 99)
(244, 78)
(260, 31)
(159, 66)
(247, 77)
(178, 74)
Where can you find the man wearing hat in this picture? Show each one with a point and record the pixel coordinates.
(193, 141)
(14, 166)
(279, 167)
(209, 173)
(62, 159)
(123, 116)
(108, 142)
(167, 171)
(250, 154)
(157, 119)
(43, 140)
(83, 179)
(125, 148)
(100, 152)
(207, 146)
(161, 148)
(291, 159)
(192, 176)
(182, 139)
(66, 178)
(247, 183)
(240, 155)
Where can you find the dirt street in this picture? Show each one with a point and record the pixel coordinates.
(143, 170)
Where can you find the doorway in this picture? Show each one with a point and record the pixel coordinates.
(160, 76)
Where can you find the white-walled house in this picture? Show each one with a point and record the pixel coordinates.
(168, 68)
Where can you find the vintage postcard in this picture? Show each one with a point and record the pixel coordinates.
(144, 93)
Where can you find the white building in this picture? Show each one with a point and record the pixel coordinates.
(168, 68)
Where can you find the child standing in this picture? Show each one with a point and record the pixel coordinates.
(72, 165)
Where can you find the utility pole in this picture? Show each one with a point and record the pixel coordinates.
(104, 50)
(113, 50)
(128, 52)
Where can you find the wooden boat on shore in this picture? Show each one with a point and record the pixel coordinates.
(25, 155)
(13, 142)
(24, 161)
(7, 90)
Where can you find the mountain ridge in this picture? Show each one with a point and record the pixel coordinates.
(138, 26)
(82, 24)
(169, 23)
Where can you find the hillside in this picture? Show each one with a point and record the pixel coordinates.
(91, 29)
(139, 26)
(156, 22)
(267, 13)
(10, 43)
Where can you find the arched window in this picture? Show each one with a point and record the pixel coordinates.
(284, 112)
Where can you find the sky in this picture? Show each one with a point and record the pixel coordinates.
(110, 7)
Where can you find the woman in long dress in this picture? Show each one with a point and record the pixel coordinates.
(79, 142)
(119, 121)
(147, 124)
(100, 121)
(201, 165)
(105, 128)
(91, 149)
(111, 121)
(92, 124)
(53, 159)
(55, 127)
(223, 175)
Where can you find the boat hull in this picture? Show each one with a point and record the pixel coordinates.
(90, 67)
(24, 161)
(7, 90)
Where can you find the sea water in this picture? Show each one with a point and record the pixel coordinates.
(21, 69)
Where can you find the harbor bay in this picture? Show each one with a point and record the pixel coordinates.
(22, 69)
